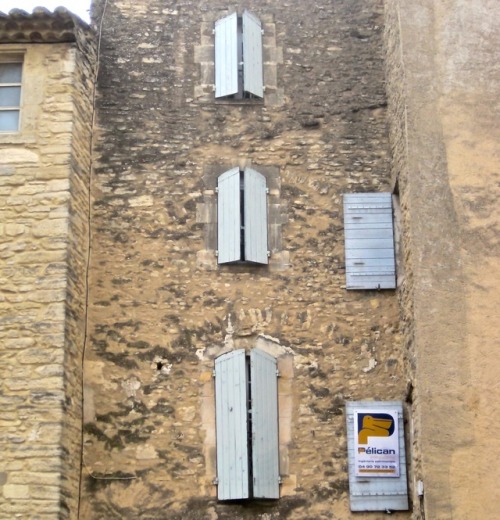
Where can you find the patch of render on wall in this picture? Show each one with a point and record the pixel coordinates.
(285, 364)
(206, 213)
(204, 55)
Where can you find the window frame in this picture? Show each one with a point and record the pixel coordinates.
(12, 59)
(247, 429)
(370, 262)
(242, 217)
(237, 77)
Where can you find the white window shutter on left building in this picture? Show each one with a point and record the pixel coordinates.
(226, 56)
(231, 393)
(255, 209)
(228, 217)
(369, 241)
(265, 440)
(253, 75)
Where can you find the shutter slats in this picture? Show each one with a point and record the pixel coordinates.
(231, 426)
(255, 217)
(369, 241)
(265, 441)
(226, 56)
(377, 493)
(253, 81)
(228, 217)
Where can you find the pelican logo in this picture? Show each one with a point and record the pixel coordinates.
(374, 425)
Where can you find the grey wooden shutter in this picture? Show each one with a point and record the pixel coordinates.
(369, 241)
(226, 56)
(265, 441)
(376, 493)
(255, 209)
(253, 76)
(229, 217)
(232, 425)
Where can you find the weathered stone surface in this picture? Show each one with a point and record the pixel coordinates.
(443, 92)
(43, 251)
(160, 307)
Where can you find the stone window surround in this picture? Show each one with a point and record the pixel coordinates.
(206, 213)
(17, 59)
(31, 95)
(16, 54)
(204, 55)
(285, 363)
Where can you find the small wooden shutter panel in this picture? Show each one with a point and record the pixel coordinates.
(231, 425)
(253, 80)
(228, 217)
(226, 56)
(372, 493)
(369, 241)
(265, 441)
(255, 217)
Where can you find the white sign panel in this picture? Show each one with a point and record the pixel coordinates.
(376, 443)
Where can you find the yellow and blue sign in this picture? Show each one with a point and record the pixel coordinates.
(376, 443)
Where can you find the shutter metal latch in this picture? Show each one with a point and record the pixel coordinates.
(217, 253)
(215, 481)
(217, 189)
(268, 254)
(278, 373)
(213, 373)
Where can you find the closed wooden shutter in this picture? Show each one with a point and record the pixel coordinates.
(229, 217)
(231, 394)
(253, 81)
(369, 241)
(265, 441)
(226, 56)
(376, 493)
(255, 215)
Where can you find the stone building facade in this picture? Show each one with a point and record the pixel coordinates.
(162, 309)
(111, 282)
(443, 84)
(44, 209)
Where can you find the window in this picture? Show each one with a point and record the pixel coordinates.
(246, 402)
(10, 94)
(369, 241)
(242, 217)
(238, 57)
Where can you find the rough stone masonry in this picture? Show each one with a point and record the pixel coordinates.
(161, 309)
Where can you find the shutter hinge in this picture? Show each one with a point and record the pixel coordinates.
(278, 373)
(267, 191)
(263, 88)
(268, 254)
(213, 373)
(280, 480)
(215, 481)
(217, 189)
(241, 63)
(262, 31)
(217, 252)
(213, 88)
(213, 31)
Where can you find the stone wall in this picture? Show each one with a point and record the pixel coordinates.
(443, 112)
(43, 257)
(160, 313)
